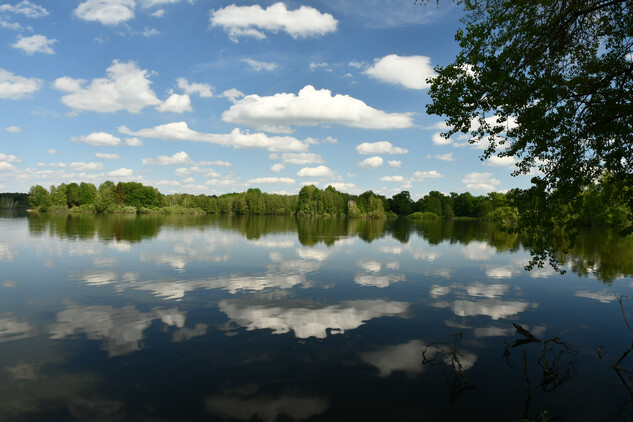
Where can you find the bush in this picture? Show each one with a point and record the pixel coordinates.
(423, 216)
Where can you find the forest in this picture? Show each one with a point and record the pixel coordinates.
(600, 203)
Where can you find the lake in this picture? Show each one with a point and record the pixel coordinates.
(145, 318)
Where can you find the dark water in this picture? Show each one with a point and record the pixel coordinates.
(126, 318)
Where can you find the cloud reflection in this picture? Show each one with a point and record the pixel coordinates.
(120, 330)
(494, 308)
(402, 357)
(307, 319)
(267, 409)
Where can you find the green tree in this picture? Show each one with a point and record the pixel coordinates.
(72, 194)
(550, 84)
(87, 193)
(39, 198)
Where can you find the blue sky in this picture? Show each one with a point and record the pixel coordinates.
(213, 97)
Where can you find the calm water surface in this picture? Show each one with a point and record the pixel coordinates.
(126, 318)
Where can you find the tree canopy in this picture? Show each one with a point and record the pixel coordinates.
(548, 83)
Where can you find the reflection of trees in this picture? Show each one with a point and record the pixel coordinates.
(602, 251)
(131, 228)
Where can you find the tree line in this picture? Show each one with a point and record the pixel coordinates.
(600, 203)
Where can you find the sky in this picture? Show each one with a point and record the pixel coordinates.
(211, 97)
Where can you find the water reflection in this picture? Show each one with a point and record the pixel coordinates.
(231, 318)
(307, 318)
(592, 255)
(120, 330)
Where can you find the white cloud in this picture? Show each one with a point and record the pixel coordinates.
(107, 12)
(276, 168)
(147, 32)
(15, 87)
(10, 158)
(232, 94)
(319, 171)
(480, 181)
(107, 156)
(51, 151)
(496, 161)
(432, 174)
(203, 90)
(382, 147)
(311, 107)
(394, 163)
(494, 308)
(98, 139)
(357, 64)
(176, 103)
(122, 172)
(262, 180)
(314, 66)
(81, 166)
(25, 8)
(408, 71)
(252, 21)
(179, 131)
(259, 66)
(126, 87)
(298, 158)
(159, 13)
(372, 162)
(445, 157)
(179, 158)
(13, 129)
(438, 139)
(133, 142)
(343, 187)
(35, 44)
(6, 166)
(392, 179)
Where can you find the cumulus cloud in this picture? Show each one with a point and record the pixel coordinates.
(126, 87)
(13, 129)
(266, 180)
(25, 8)
(107, 12)
(253, 21)
(259, 66)
(311, 107)
(176, 103)
(107, 156)
(319, 171)
(276, 168)
(382, 147)
(432, 174)
(98, 139)
(496, 161)
(344, 187)
(232, 94)
(392, 179)
(133, 142)
(203, 90)
(179, 131)
(438, 139)
(179, 158)
(408, 71)
(394, 163)
(9, 158)
(372, 162)
(15, 87)
(480, 181)
(324, 65)
(298, 158)
(81, 166)
(122, 172)
(35, 44)
(445, 157)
